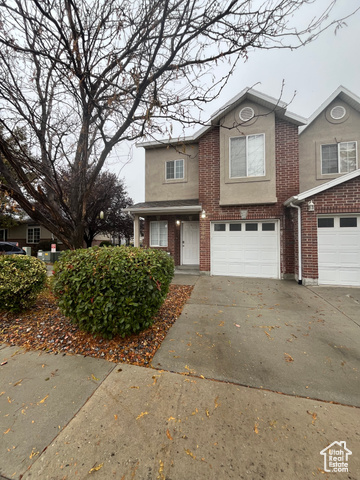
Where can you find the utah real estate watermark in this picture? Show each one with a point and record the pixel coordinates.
(336, 457)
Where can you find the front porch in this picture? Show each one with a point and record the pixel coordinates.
(172, 226)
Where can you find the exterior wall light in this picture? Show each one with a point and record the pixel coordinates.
(178, 223)
(311, 206)
(203, 214)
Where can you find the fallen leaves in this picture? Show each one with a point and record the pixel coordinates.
(288, 358)
(96, 468)
(142, 414)
(168, 434)
(314, 416)
(44, 328)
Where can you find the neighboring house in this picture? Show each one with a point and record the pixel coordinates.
(31, 234)
(260, 192)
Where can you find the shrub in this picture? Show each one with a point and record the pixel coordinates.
(112, 290)
(21, 280)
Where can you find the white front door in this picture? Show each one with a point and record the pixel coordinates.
(190, 243)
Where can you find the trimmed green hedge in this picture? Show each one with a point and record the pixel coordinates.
(112, 290)
(22, 278)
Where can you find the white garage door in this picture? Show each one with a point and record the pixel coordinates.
(245, 249)
(339, 250)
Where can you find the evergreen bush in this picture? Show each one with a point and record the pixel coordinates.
(112, 290)
(22, 278)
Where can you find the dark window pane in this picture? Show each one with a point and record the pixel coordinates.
(329, 154)
(219, 227)
(251, 227)
(348, 222)
(235, 227)
(325, 222)
(268, 227)
(170, 170)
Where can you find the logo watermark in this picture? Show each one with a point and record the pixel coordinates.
(336, 457)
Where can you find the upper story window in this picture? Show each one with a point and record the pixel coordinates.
(158, 234)
(33, 235)
(247, 156)
(338, 158)
(175, 170)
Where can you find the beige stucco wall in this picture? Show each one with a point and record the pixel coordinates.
(248, 190)
(20, 233)
(157, 188)
(324, 130)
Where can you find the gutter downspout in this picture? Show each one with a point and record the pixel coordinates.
(299, 241)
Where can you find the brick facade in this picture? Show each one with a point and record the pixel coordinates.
(287, 184)
(342, 199)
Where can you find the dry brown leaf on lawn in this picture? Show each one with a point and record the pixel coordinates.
(97, 468)
(168, 434)
(288, 358)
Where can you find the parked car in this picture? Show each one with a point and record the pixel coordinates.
(11, 248)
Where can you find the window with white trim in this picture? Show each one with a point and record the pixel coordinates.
(247, 156)
(159, 234)
(3, 234)
(33, 235)
(338, 157)
(175, 169)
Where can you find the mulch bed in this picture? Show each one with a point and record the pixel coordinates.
(44, 328)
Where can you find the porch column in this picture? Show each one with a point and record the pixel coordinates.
(136, 231)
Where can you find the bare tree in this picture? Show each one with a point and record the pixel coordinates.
(80, 76)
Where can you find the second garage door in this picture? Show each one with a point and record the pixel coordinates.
(245, 249)
(339, 250)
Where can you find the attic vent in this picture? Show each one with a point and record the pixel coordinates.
(338, 112)
(246, 114)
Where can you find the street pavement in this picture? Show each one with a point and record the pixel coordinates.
(226, 397)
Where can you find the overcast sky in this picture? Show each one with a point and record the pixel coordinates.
(314, 72)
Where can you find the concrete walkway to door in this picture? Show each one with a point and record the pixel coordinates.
(269, 334)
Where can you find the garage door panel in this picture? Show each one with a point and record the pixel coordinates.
(245, 252)
(339, 253)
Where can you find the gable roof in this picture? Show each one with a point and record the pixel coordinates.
(344, 94)
(296, 199)
(276, 105)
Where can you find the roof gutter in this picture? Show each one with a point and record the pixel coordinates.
(164, 210)
(299, 240)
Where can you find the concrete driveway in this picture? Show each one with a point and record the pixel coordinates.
(269, 334)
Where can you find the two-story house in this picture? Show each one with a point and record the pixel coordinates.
(260, 192)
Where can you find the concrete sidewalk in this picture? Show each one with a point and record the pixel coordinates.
(70, 417)
(137, 423)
